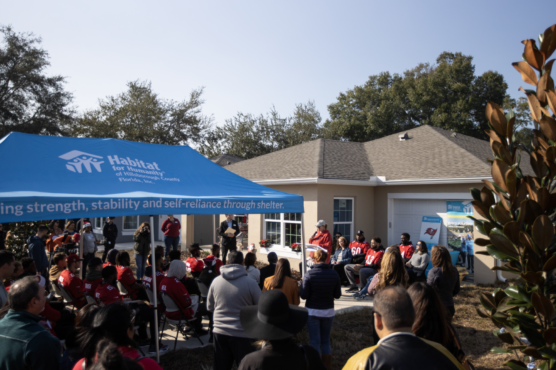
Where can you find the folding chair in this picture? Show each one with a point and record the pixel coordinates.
(64, 294)
(171, 306)
(122, 288)
(90, 298)
(56, 287)
(203, 288)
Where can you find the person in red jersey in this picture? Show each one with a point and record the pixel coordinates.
(322, 238)
(106, 292)
(215, 250)
(72, 283)
(94, 276)
(125, 277)
(359, 247)
(195, 264)
(368, 268)
(406, 247)
(148, 279)
(111, 258)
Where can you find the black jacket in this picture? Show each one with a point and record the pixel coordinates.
(282, 354)
(320, 286)
(226, 241)
(446, 287)
(110, 231)
(403, 352)
(266, 271)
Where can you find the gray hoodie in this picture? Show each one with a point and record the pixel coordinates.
(228, 293)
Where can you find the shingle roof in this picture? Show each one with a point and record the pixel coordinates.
(224, 160)
(429, 153)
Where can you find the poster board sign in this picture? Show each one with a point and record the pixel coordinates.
(459, 225)
(430, 230)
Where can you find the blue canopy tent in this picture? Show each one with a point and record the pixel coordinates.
(47, 177)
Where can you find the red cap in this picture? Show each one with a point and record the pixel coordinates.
(73, 258)
(76, 237)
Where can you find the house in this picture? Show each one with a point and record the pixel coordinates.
(383, 187)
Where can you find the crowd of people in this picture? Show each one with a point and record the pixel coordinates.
(107, 319)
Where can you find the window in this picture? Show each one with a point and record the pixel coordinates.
(343, 217)
(282, 229)
(99, 222)
(131, 222)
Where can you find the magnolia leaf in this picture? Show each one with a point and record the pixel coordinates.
(533, 56)
(513, 292)
(543, 305)
(487, 197)
(532, 351)
(529, 212)
(549, 335)
(494, 252)
(527, 74)
(498, 171)
(543, 232)
(481, 209)
(550, 264)
(481, 313)
(511, 182)
(501, 215)
(499, 350)
(511, 230)
(506, 337)
(543, 196)
(548, 44)
(548, 127)
(502, 243)
(534, 105)
(482, 242)
(476, 194)
(487, 301)
(497, 118)
(521, 194)
(531, 277)
(516, 365)
(551, 98)
(542, 86)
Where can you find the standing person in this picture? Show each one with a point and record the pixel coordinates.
(228, 294)
(142, 247)
(6, 271)
(37, 251)
(2, 238)
(194, 264)
(321, 285)
(418, 263)
(78, 223)
(341, 258)
(470, 254)
(110, 233)
(359, 247)
(278, 350)
(215, 253)
(90, 245)
(406, 247)
(228, 242)
(252, 271)
(269, 270)
(283, 281)
(463, 251)
(444, 278)
(398, 348)
(25, 343)
(171, 228)
(367, 269)
(72, 283)
(322, 238)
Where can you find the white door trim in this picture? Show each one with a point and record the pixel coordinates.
(448, 196)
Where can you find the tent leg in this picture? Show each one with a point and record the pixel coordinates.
(83, 268)
(303, 249)
(213, 229)
(155, 296)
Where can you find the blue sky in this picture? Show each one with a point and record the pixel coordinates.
(250, 55)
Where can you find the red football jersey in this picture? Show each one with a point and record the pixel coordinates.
(407, 250)
(358, 248)
(125, 276)
(74, 286)
(107, 264)
(91, 286)
(194, 265)
(175, 289)
(107, 294)
(374, 257)
(148, 280)
(217, 264)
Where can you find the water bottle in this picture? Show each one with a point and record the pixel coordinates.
(531, 363)
(502, 330)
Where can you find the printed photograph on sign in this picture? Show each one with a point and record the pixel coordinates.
(459, 225)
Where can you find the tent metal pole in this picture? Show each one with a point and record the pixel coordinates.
(81, 241)
(303, 248)
(155, 295)
(213, 229)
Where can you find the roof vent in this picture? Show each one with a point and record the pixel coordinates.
(403, 137)
(454, 134)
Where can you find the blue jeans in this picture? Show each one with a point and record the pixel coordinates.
(319, 333)
(141, 262)
(171, 242)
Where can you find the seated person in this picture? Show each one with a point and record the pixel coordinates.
(29, 267)
(59, 263)
(172, 286)
(359, 247)
(111, 258)
(215, 253)
(107, 293)
(125, 277)
(94, 275)
(369, 269)
(209, 271)
(418, 263)
(59, 321)
(406, 247)
(18, 270)
(194, 263)
(72, 283)
(342, 256)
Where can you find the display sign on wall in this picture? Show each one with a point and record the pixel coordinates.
(459, 225)
(430, 230)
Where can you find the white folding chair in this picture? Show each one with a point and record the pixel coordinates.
(122, 288)
(90, 299)
(171, 306)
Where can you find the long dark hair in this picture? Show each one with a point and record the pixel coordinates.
(109, 358)
(423, 248)
(440, 257)
(250, 259)
(430, 314)
(282, 270)
(110, 322)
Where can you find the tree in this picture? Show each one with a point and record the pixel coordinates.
(524, 124)
(139, 114)
(446, 95)
(518, 218)
(30, 101)
(248, 136)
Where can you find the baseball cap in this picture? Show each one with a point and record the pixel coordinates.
(76, 237)
(86, 224)
(359, 232)
(320, 223)
(73, 258)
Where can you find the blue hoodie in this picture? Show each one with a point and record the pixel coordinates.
(37, 253)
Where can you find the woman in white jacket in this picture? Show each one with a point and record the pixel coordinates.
(253, 272)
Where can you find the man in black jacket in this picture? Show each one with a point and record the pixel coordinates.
(110, 233)
(269, 270)
(229, 242)
(398, 347)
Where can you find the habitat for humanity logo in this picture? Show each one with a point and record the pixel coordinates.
(79, 160)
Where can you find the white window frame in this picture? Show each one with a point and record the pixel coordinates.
(344, 222)
(280, 249)
(129, 231)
